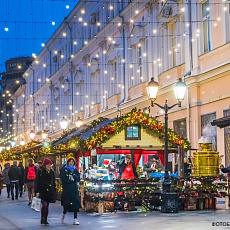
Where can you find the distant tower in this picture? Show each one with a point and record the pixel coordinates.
(10, 82)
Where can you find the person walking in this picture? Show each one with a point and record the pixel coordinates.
(6, 178)
(21, 179)
(70, 197)
(14, 175)
(45, 188)
(1, 181)
(29, 178)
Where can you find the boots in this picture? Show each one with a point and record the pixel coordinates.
(12, 197)
(44, 222)
(62, 218)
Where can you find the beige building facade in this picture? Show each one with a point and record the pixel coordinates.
(100, 59)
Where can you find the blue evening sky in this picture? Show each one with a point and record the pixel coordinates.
(29, 24)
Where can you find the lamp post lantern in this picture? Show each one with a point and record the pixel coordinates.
(79, 122)
(22, 143)
(32, 135)
(44, 135)
(12, 143)
(179, 90)
(63, 123)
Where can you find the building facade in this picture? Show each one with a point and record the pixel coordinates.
(100, 59)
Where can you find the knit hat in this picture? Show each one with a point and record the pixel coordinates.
(47, 161)
(70, 157)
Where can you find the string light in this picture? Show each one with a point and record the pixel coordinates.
(85, 24)
(67, 6)
(82, 11)
(64, 34)
(75, 43)
(43, 44)
(98, 24)
(183, 9)
(53, 23)
(154, 31)
(80, 19)
(6, 29)
(136, 11)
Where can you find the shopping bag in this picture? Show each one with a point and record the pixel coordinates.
(36, 204)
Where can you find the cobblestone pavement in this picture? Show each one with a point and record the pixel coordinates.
(18, 215)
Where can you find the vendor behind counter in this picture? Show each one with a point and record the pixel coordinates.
(152, 165)
(127, 169)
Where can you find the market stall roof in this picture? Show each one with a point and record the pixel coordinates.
(88, 133)
(78, 131)
(29, 149)
(221, 122)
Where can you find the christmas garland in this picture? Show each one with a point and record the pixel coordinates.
(150, 125)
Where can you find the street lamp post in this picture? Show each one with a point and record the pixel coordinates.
(179, 90)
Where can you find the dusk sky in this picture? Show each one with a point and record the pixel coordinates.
(29, 23)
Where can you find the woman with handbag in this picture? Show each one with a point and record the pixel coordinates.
(70, 196)
(45, 188)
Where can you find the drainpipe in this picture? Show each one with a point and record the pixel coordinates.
(123, 44)
(71, 72)
(191, 67)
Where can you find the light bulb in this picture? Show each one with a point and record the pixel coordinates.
(154, 31)
(53, 23)
(44, 65)
(75, 43)
(83, 11)
(183, 9)
(136, 11)
(6, 29)
(85, 24)
(64, 34)
(43, 44)
(67, 6)
(131, 20)
(119, 24)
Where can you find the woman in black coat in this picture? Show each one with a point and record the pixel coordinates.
(70, 196)
(45, 188)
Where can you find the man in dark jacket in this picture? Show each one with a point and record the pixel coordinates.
(6, 178)
(152, 165)
(127, 169)
(14, 175)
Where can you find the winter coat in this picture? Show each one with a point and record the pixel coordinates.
(45, 185)
(14, 173)
(1, 179)
(21, 179)
(70, 195)
(123, 166)
(6, 175)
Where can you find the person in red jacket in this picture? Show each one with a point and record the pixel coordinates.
(128, 169)
(30, 175)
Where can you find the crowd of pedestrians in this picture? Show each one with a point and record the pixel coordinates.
(39, 179)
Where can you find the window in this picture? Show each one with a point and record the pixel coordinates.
(133, 132)
(179, 126)
(209, 132)
(206, 26)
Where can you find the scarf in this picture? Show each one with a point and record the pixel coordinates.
(70, 168)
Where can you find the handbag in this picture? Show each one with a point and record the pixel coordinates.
(36, 204)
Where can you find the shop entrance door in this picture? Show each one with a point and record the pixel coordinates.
(227, 139)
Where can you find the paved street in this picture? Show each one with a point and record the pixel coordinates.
(18, 215)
